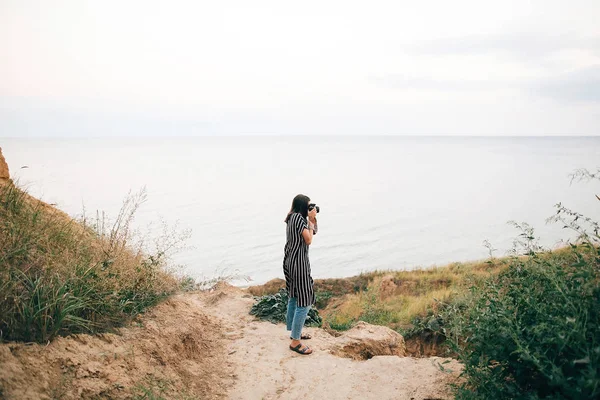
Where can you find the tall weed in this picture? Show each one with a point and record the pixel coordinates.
(60, 276)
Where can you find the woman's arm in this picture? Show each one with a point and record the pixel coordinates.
(307, 234)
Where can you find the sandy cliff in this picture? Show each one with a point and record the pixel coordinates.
(4, 174)
(206, 345)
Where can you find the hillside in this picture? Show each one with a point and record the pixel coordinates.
(206, 345)
(86, 315)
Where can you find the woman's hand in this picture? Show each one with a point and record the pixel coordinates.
(312, 214)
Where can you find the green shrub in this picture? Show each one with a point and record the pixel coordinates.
(273, 307)
(429, 323)
(533, 332)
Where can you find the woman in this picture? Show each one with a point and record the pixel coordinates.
(296, 268)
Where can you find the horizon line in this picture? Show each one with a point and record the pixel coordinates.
(273, 135)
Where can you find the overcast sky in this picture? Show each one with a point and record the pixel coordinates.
(135, 68)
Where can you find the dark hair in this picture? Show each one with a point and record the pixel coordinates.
(299, 205)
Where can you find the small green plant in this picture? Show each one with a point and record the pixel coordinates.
(151, 388)
(339, 324)
(273, 307)
(322, 298)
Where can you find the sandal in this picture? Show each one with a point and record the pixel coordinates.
(303, 336)
(301, 350)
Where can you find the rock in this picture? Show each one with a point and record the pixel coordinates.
(365, 341)
(4, 175)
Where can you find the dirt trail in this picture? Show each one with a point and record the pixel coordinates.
(174, 351)
(205, 345)
(266, 369)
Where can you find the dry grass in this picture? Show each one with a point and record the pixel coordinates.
(391, 298)
(334, 286)
(395, 298)
(60, 276)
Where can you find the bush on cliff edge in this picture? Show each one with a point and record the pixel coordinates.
(59, 276)
(533, 331)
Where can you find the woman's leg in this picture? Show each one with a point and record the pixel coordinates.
(291, 310)
(298, 322)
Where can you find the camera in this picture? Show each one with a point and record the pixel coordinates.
(313, 205)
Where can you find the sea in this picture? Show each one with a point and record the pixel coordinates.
(386, 202)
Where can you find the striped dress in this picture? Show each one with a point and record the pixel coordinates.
(296, 267)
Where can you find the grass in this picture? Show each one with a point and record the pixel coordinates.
(151, 388)
(401, 300)
(410, 302)
(325, 289)
(396, 298)
(155, 388)
(61, 276)
(391, 298)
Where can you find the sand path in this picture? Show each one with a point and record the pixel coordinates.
(205, 345)
(264, 368)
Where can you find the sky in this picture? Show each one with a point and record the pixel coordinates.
(193, 68)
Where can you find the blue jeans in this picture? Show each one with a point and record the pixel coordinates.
(295, 318)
